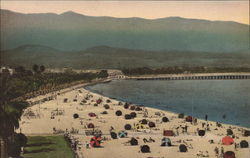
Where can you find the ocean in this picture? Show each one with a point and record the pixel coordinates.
(225, 101)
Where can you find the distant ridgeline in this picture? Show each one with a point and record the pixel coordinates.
(180, 70)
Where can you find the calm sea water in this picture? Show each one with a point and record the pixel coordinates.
(192, 97)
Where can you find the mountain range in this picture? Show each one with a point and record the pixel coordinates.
(73, 32)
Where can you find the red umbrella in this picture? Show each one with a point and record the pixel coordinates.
(227, 140)
(95, 141)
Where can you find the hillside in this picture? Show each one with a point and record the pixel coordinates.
(103, 57)
(72, 31)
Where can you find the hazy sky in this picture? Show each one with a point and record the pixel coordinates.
(211, 10)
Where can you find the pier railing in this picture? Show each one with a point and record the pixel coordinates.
(201, 76)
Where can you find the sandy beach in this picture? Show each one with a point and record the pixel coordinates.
(69, 110)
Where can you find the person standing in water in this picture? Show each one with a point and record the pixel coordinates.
(206, 117)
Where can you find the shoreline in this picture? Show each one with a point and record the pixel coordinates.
(43, 124)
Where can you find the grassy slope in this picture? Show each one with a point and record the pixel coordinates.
(47, 147)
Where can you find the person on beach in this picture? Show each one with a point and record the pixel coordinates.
(222, 151)
(216, 150)
(206, 117)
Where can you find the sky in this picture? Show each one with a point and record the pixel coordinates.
(211, 10)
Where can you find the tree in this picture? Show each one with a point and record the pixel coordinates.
(42, 68)
(35, 68)
(10, 114)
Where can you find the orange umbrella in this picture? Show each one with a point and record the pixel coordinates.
(227, 140)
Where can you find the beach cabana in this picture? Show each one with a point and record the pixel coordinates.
(132, 107)
(127, 117)
(113, 135)
(133, 141)
(133, 114)
(145, 149)
(144, 121)
(127, 127)
(168, 133)
(95, 142)
(106, 106)
(244, 144)
(246, 133)
(118, 113)
(122, 134)
(201, 132)
(183, 148)
(126, 106)
(91, 114)
(151, 124)
(230, 132)
(229, 154)
(91, 125)
(166, 142)
(165, 119)
(227, 140)
(189, 119)
(138, 108)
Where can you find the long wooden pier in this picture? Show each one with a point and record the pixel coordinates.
(197, 76)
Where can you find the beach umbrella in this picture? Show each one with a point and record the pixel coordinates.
(168, 133)
(183, 148)
(151, 124)
(246, 133)
(95, 141)
(126, 106)
(75, 116)
(189, 119)
(138, 108)
(165, 142)
(91, 125)
(201, 132)
(91, 114)
(75, 100)
(139, 126)
(181, 115)
(122, 134)
(95, 104)
(145, 149)
(106, 106)
(144, 121)
(165, 119)
(229, 132)
(120, 103)
(229, 154)
(118, 113)
(133, 141)
(133, 114)
(108, 101)
(113, 135)
(244, 144)
(227, 140)
(127, 127)
(132, 107)
(128, 117)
